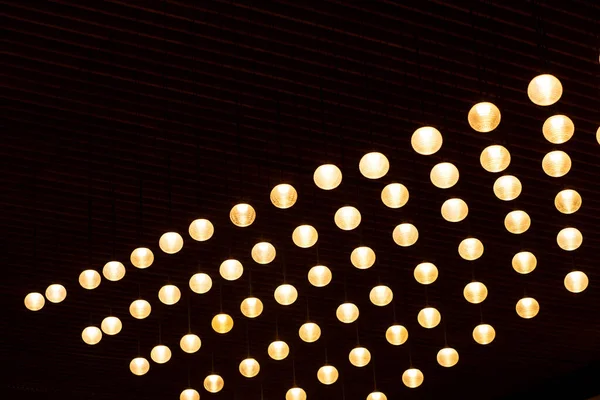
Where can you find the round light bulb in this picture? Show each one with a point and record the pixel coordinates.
(91, 335)
(34, 301)
(249, 367)
(213, 383)
(347, 218)
(396, 335)
(374, 165)
(56, 293)
(286, 294)
(484, 117)
(412, 378)
(201, 230)
(454, 210)
(556, 164)
(567, 201)
(189, 394)
(284, 196)
(139, 366)
(444, 175)
(470, 249)
(140, 309)
(376, 396)
(381, 295)
(327, 374)
(113, 271)
(319, 276)
(527, 307)
(558, 129)
(362, 257)
(327, 177)
(475, 292)
(484, 334)
(429, 317)
(222, 323)
(394, 195)
(426, 140)
(200, 283)
(142, 257)
(359, 356)
(231, 269)
(305, 236)
(309, 332)
(517, 222)
(263, 253)
(569, 239)
(160, 354)
(426, 273)
(171, 242)
(507, 187)
(544, 90)
(251, 307)
(347, 313)
(576, 281)
(242, 215)
(405, 234)
(89, 279)
(295, 393)
(111, 325)
(447, 357)
(278, 350)
(524, 262)
(169, 294)
(190, 343)
(495, 158)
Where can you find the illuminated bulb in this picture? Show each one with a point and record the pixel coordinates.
(507, 187)
(558, 129)
(249, 368)
(412, 378)
(362, 257)
(160, 354)
(381, 295)
(569, 239)
(319, 276)
(295, 393)
(598, 135)
(396, 335)
(286, 294)
(359, 356)
(284, 196)
(213, 383)
(309, 332)
(495, 158)
(429, 317)
(142, 257)
(140, 309)
(524, 262)
(405, 234)
(189, 394)
(394, 195)
(139, 366)
(200, 283)
(527, 307)
(327, 177)
(34, 301)
(171, 242)
(305, 236)
(222, 323)
(556, 164)
(201, 230)
(576, 281)
(169, 294)
(447, 357)
(278, 350)
(327, 374)
(89, 279)
(374, 165)
(242, 215)
(544, 90)
(347, 313)
(484, 334)
(454, 210)
(91, 335)
(376, 396)
(470, 249)
(231, 269)
(444, 175)
(190, 343)
(475, 292)
(263, 253)
(111, 325)
(113, 271)
(517, 222)
(347, 218)
(56, 293)
(426, 273)
(426, 140)
(484, 117)
(567, 201)
(251, 307)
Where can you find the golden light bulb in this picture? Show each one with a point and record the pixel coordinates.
(362, 257)
(447, 357)
(56, 293)
(139, 366)
(475, 292)
(251, 307)
(484, 117)
(222, 323)
(527, 307)
(454, 210)
(507, 187)
(111, 325)
(495, 158)
(113, 271)
(160, 354)
(34, 301)
(359, 356)
(327, 374)
(89, 279)
(91, 335)
(305, 236)
(231, 269)
(347, 313)
(394, 195)
(598, 135)
(569, 239)
(405, 234)
(396, 335)
(484, 334)
(309, 332)
(544, 90)
(556, 164)
(576, 281)
(524, 262)
(263, 253)
(286, 294)
(444, 175)
(558, 129)
(470, 249)
(426, 273)
(327, 177)
(140, 309)
(213, 383)
(412, 378)
(295, 393)
(426, 140)
(242, 215)
(284, 196)
(142, 257)
(381, 295)
(517, 222)
(429, 317)
(567, 201)
(190, 343)
(189, 394)
(201, 230)
(319, 276)
(376, 396)
(200, 283)
(278, 350)
(347, 218)
(171, 242)
(374, 165)
(169, 294)
(249, 367)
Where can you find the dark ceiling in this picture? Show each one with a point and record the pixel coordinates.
(123, 120)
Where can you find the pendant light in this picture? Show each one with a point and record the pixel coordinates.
(362, 257)
(242, 215)
(142, 257)
(544, 90)
(426, 273)
(56, 293)
(171, 242)
(524, 262)
(139, 366)
(34, 301)
(359, 356)
(376, 396)
(394, 195)
(89, 279)
(140, 309)
(213, 383)
(444, 175)
(429, 317)
(286, 294)
(527, 307)
(484, 117)
(319, 276)
(447, 357)
(517, 222)
(507, 187)
(374, 165)
(381, 295)
(189, 394)
(347, 313)
(113, 271)
(569, 239)
(454, 210)
(470, 249)
(567, 201)
(200, 283)
(309, 332)
(111, 325)
(91, 335)
(495, 158)
(558, 129)
(576, 281)
(295, 393)
(284, 196)
(263, 253)
(249, 367)
(190, 343)
(327, 374)
(169, 294)
(278, 350)
(231, 269)
(426, 140)
(598, 135)
(222, 323)
(484, 334)
(251, 307)
(305, 236)
(347, 218)
(556, 164)
(160, 354)
(412, 378)
(201, 230)
(327, 177)
(405, 235)
(396, 335)
(475, 292)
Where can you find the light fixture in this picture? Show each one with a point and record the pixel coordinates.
(447, 357)
(524, 262)
(475, 292)
(484, 334)
(319, 276)
(111, 325)
(396, 335)
(263, 253)
(278, 350)
(527, 307)
(140, 309)
(556, 163)
(429, 317)
(470, 249)
(242, 215)
(347, 218)
(201, 230)
(189, 394)
(558, 129)
(160, 354)
(347, 313)
(495, 158)
(231, 269)
(113, 271)
(200, 283)
(327, 177)
(171, 242)
(34, 301)
(91, 335)
(89, 279)
(169, 294)
(444, 175)
(284, 196)
(598, 135)
(251, 307)
(426, 273)
(484, 117)
(190, 343)
(569, 239)
(544, 90)
(362, 257)
(454, 210)
(426, 140)
(412, 378)
(222, 323)
(295, 393)
(507, 187)
(249, 367)
(139, 366)
(405, 235)
(567, 201)
(56, 293)
(286, 294)
(517, 222)
(309, 332)
(359, 356)
(576, 281)
(213, 383)
(374, 165)
(305, 236)
(394, 195)
(376, 396)
(327, 374)
(381, 295)
(142, 257)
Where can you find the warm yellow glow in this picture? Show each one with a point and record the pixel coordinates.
(359, 356)
(284, 196)
(160, 354)
(454, 210)
(286, 294)
(567, 201)
(495, 158)
(327, 177)
(305, 236)
(91, 335)
(231, 269)
(169, 294)
(327, 374)
(213, 383)
(444, 175)
(189, 394)
(484, 334)
(524, 262)
(576, 281)
(249, 367)
(263, 253)
(201, 230)
(558, 129)
(426, 273)
(190, 343)
(222, 323)
(34, 301)
(140, 309)
(56, 293)
(89, 279)
(426, 140)
(111, 325)
(569, 239)
(142, 257)
(470, 249)
(251, 307)
(475, 292)
(396, 335)
(200, 283)
(405, 234)
(517, 222)
(484, 117)
(376, 396)
(528, 307)
(507, 187)
(362, 257)
(447, 357)
(412, 378)
(374, 165)
(319, 276)
(347, 218)
(113, 271)
(556, 164)
(347, 313)
(598, 135)
(295, 393)
(278, 350)
(171, 242)
(544, 90)
(429, 317)
(309, 332)
(242, 215)
(381, 295)
(139, 366)
(394, 195)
